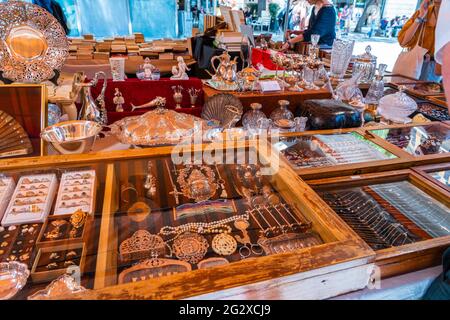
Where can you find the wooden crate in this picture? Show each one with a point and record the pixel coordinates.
(407, 258)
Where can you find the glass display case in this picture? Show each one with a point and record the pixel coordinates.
(437, 173)
(51, 217)
(159, 227)
(333, 152)
(426, 140)
(394, 213)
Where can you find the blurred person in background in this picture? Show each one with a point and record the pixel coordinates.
(322, 22)
(411, 34)
(55, 9)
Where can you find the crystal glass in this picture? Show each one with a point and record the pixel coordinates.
(252, 118)
(341, 55)
(314, 48)
(376, 90)
(397, 107)
(315, 38)
(117, 68)
(283, 112)
(366, 64)
(300, 124)
(321, 77)
(156, 74)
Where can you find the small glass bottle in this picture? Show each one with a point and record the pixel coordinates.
(283, 112)
(376, 90)
(252, 118)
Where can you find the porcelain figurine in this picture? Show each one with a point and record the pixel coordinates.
(118, 100)
(148, 69)
(180, 73)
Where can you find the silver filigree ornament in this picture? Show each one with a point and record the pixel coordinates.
(33, 44)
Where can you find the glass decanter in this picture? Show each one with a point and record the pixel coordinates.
(283, 112)
(252, 118)
(376, 90)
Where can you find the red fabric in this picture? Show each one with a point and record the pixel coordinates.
(260, 56)
(139, 92)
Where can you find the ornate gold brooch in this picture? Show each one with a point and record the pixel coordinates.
(190, 247)
(198, 184)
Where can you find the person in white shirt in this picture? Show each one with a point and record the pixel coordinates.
(442, 55)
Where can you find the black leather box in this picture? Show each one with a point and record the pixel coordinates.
(329, 114)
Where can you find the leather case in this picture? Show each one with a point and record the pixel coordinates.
(329, 114)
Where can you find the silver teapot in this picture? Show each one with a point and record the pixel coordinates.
(226, 71)
(93, 110)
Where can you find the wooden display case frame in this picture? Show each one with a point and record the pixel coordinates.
(343, 264)
(425, 171)
(408, 258)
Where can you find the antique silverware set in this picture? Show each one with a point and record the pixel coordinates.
(368, 218)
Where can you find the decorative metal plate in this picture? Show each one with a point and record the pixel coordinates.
(33, 43)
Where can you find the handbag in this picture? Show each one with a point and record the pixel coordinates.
(440, 288)
(410, 63)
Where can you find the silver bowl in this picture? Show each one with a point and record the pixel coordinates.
(13, 277)
(72, 137)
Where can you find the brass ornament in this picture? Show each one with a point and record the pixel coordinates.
(78, 219)
(224, 244)
(190, 247)
(142, 245)
(198, 183)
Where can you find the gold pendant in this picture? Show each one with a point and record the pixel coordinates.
(224, 244)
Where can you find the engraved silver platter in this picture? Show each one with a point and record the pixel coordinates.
(32, 43)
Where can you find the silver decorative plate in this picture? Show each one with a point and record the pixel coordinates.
(33, 43)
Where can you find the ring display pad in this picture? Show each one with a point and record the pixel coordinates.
(76, 192)
(32, 200)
